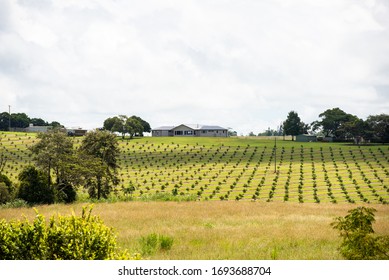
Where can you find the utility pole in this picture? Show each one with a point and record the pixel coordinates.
(9, 119)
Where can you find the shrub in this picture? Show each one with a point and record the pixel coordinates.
(63, 238)
(153, 242)
(6, 189)
(359, 241)
(34, 188)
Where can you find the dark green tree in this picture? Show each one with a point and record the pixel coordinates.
(145, 125)
(379, 125)
(34, 188)
(133, 127)
(293, 125)
(110, 123)
(7, 190)
(99, 152)
(4, 121)
(38, 122)
(356, 129)
(331, 120)
(20, 120)
(54, 153)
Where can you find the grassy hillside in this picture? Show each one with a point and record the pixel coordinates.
(239, 168)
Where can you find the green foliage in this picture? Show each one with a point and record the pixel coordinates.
(162, 196)
(359, 241)
(153, 242)
(63, 238)
(16, 203)
(293, 125)
(5, 196)
(7, 190)
(53, 152)
(34, 188)
(99, 152)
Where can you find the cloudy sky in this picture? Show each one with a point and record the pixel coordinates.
(242, 64)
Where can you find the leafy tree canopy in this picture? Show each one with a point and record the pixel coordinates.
(379, 125)
(293, 125)
(127, 125)
(99, 151)
(331, 120)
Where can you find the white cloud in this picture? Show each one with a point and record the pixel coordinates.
(242, 64)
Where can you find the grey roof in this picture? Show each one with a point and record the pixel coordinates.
(192, 126)
(164, 128)
(211, 127)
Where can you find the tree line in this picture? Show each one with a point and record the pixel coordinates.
(60, 169)
(337, 124)
(22, 120)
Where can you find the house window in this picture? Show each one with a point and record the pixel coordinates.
(178, 132)
(188, 132)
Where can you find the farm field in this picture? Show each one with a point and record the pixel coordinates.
(244, 209)
(237, 169)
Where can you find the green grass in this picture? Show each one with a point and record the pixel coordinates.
(238, 169)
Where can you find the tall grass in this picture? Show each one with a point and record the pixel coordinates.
(223, 230)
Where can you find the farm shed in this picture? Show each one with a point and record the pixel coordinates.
(306, 138)
(185, 130)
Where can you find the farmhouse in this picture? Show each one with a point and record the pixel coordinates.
(190, 130)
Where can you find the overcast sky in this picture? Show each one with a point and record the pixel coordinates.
(241, 64)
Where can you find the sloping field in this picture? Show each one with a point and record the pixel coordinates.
(238, 168)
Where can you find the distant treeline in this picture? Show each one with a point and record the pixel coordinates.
(337, 124)
(22, 120)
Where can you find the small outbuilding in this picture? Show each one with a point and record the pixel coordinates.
(306, 138)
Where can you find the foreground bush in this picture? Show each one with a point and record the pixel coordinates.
(359, 241)
(63, 238)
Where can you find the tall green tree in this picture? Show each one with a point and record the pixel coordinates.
(133, 127)
(34, 188)
(293, 125)
(4, 121)
(54, 153)
(357, 129)
(110, 123)
(379, 125)
(331, 120)
(99, 151)
(146, 126)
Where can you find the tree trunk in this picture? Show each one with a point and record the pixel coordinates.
(98, 187)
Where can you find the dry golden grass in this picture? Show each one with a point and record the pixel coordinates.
(223, 230)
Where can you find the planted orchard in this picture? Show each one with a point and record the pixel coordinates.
(227, 169)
